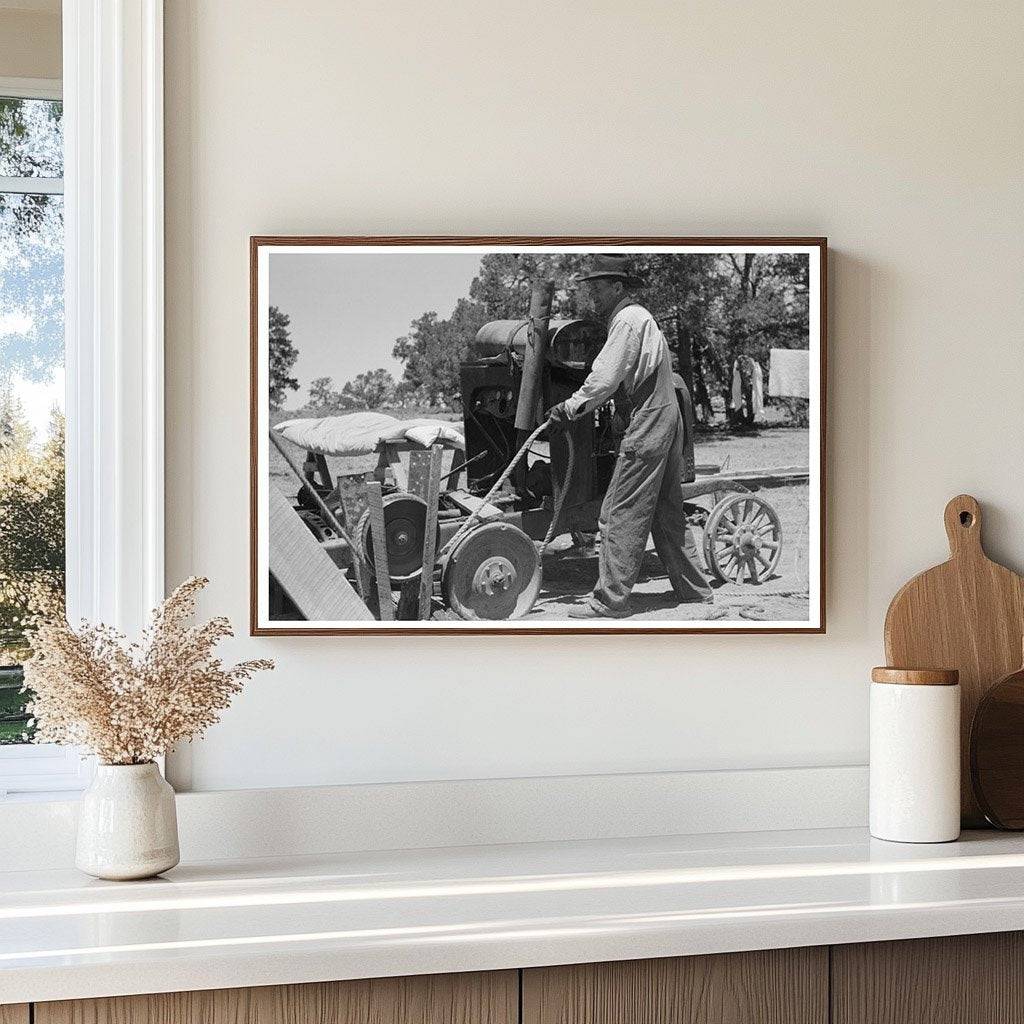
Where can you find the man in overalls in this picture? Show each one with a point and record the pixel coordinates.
(645, 495)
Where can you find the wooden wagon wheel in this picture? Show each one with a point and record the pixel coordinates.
(743, 539)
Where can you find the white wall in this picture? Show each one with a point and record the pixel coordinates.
(895, 129)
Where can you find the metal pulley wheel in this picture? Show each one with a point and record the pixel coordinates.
(405, 525)
(492, 573)
(743, 539)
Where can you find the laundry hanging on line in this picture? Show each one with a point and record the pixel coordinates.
(789, 373)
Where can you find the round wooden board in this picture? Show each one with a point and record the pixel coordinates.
(997, 752)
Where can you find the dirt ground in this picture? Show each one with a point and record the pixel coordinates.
(785, 596)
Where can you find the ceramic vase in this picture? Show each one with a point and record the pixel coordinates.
(127, 825)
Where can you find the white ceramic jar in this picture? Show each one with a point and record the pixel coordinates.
(915, 755)
(127, 824)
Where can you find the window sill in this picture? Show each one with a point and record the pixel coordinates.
(43, 771)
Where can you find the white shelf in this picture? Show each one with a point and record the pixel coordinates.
(351, 915)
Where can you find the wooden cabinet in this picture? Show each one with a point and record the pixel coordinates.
(970, 979)
(777, 986)
(962, 979)
(482, 998)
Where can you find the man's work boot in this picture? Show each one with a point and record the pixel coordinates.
(591, 609)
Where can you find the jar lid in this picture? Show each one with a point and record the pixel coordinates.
(916, 676)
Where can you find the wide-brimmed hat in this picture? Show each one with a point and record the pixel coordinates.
(611, 265)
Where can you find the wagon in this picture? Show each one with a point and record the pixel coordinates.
(740, 532)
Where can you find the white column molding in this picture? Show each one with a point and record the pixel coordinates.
(113, 103)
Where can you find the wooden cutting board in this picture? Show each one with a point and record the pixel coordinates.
(997, 752)
(967, 614)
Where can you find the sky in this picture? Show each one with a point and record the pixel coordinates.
(31, 334)
(38, 400)
(347, 309)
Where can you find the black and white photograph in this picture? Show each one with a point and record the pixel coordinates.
(537, 435)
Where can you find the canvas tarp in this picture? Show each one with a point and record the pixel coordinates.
(360, 433)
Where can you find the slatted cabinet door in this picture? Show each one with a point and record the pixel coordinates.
(480, 998)
(961, 979)
(777, 986)
(14, 1013)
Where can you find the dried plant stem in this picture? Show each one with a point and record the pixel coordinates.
(129, 703)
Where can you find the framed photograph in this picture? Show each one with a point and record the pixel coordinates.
(537, 435)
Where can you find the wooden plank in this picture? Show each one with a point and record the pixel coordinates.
(323, 469)
(352, 491)
(706, 469)
(778, 986)
(772, 477)
(430, 535)
(328, 515)
(305, 571)
(408, 600)
(378, 538)
(391, 457)
(722, 485)
(14, 1013)
(479, 998)
(471, 503)
(409, 593)
(960, 979)
(419, 473)
(534, 365)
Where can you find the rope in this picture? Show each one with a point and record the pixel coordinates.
(559, 501)
(570, 469)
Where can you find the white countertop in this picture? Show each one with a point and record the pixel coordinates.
(261, 922)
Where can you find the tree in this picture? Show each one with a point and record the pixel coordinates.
(766, 306)
(320, 393)
(715, 307)
(282, 358)
(371, 389)
(505, 281)
(15, 430)
(323, 398)
(433, 351)
(31, 526)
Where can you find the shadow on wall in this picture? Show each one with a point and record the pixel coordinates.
(853, 287)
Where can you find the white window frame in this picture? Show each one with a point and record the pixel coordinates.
(114, 325)
(44, 767)
(31, 89)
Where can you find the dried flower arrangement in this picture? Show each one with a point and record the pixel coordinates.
(130, 703)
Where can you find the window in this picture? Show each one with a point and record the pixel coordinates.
(109, 208)
(32, 512)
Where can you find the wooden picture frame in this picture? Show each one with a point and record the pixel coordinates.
(303, 555)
